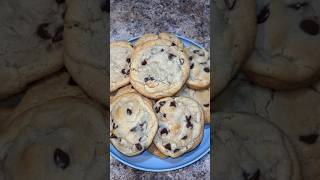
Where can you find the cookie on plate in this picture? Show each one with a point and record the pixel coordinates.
(249, 147)
(31, 42)
(120, 60)
(201, 96)
(133, 124)
(60, 139)
(85, 39)
(145, 38)
(199, 60)
(235, 30)
(167, 36)
(287, 48)
(155, 151)
(158, 69)
(181, 123)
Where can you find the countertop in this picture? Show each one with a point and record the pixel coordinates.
(189, 18)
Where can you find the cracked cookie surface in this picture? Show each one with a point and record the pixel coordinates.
(133, 124)
(120, 60)
(158, 69)
(181, 123)
(287, 50)
(85, 46)
(234, 39)
(249, 147)
(31, 42)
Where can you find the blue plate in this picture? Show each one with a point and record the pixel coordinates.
(148, 162)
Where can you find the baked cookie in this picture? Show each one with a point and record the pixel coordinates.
(120, 60)
(171, 37)
(61, 139)
(155, 151)
(85, 46)
(181, 123)
(31, 42)
(133, 124)
(199, 60)
(158, 69)
(234, 38)
(287, 48)
(295, 112)
(146, 37)
(201, 96)
(249, 147)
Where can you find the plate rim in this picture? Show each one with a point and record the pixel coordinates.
(164, 169)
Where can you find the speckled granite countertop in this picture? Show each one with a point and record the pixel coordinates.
(189, 18)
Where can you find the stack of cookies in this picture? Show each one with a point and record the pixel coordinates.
(266, 94)
(160, 99)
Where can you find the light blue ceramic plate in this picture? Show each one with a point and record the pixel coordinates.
(148, 162)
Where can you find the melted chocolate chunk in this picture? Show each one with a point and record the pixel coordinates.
(151, 78)
(146, 79)
(168, 146)
(170, 56)
(144, 62)
(60, 1)
(138, 146)
(206, 69)
(196, 51)
(58, 36)
(298, 5)
(310, 27)
(123, 71)
(113, 136)
(141, 125)
(191, 66)
(115, 126)
(173, 103)
(61, 159)
(164, 131)
(206, 105)
(161, 103)
(173, 44)
(162, 50)
(157, 109)
(129, 111)
(164, 115)
(230, 3)
(71, 82)
(263, 15)
(42, 31)
(190, 58)
(201, 54)
(134, 129)
(254, 176)
(309, 139)
(128, 60)
(140, 139)
(184, 137)
(176, 150)
(189, 124)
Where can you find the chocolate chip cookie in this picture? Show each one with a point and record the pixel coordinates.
(158, 69)
(181, 123)
(175, 41)
(133, 124)
(120, 60)
(287, 48)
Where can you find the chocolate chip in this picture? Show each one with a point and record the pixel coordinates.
(113, 136)
(129, 111)
(128, 60)
(184, 137)
(201, 54)
(196, 51)
(105, 6)
(144, 62)
(162, 50)
(181, 61)
(146, 79)
(254, 176)
(309, 139)
(170, 56)
(42, 31)
(157, 109)
(115, 126)
(189, 124)
(298, 5)
(188, 118)
(190, 58)
(138, 146)
(310, 27)
(230, 4)
(58, 36)
(173, 44)
(191, 66)
(123, 71)
(60, 1)
(164, 131)
(206, 69)
(164, 115)
(206, 105)
(168, 146)
(140, 139)
(176, 150)
(133, 129)
(173, 103)
(263, 15)
(161, 103)
(141, 125)
(128, 72)
(61, 159)
(151, 78)
(71, 82)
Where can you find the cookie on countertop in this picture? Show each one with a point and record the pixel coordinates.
(249, 147)
(201, 96)
(133, 124)
(235, 31)
(31, 42)
(158, 69)
(199, 60)
(287, 50)
(181, 124)
(85, 45)
(120, 60)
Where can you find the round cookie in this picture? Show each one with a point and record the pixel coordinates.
(181, 123)
(287, 48)
(199, 60)
(146, 37)
(60, 139)
(85, 46)
(235, 29)
(120, 60)
(171, 37)
(31, 42)
(133, 124)
(249, 147)
(158, 69)
(201, 96)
